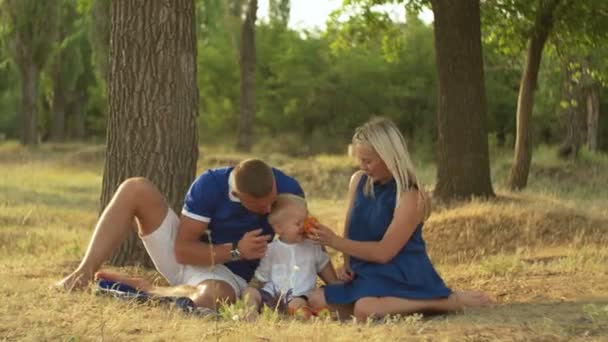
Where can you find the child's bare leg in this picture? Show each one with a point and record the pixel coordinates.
(296, 303)
(298, 307)
(381, 306)
(253, 301)
(317, 302)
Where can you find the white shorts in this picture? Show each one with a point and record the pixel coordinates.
(161, 248)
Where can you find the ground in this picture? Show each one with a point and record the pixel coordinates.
(541, 253)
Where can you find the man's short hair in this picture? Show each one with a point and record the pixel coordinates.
(253, 177)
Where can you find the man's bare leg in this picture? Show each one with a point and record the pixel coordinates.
(146, 286)
(136, 198)
(213, 293)
(207, 294)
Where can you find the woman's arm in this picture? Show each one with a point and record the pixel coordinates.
(352, 190)
(406, 218)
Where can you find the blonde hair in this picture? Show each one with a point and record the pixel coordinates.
(384, 137)
(253, 177)
(282, 202)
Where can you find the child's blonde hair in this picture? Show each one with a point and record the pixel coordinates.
(384, 137)
(282, 202)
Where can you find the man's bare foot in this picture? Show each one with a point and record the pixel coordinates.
(139, 284)
(471, 300)
(78, 280)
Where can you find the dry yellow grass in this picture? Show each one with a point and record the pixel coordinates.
(541, 253)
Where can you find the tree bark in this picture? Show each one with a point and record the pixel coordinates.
(573, 113)
(58, 107)
(78, 127)
(463, 164)
(153, 103)
(29, 94)
(593, 116)
(518, 176)
(247, 65)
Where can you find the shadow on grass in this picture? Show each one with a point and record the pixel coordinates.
(571, 318)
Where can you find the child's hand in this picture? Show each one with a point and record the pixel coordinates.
(345, 274)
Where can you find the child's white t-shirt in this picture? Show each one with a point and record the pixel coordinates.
(291, 267)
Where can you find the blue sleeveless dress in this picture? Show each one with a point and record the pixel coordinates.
(410, 274)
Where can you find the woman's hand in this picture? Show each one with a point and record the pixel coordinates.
(345, 274)
(323, 235)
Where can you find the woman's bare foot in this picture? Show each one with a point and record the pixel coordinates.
(471, 300)
(78, 280)
(139, 284)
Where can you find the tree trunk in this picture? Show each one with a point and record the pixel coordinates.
(593, 116)
(29, 100)
(78, 127)
(518, 176)
(463, 164)
(58, 108)
(153, 103)
(572, 94)
(247, 64)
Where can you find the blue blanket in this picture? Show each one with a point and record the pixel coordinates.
(126, 292)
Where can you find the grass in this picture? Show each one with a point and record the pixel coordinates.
(540, 252)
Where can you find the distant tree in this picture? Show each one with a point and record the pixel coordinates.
(278, 12)
(522, 26)
(463, 164)
(247, 61)
(572, 105)
(592, 99)
(32, 28)
(518, 176)
(65, 67)
(90, 117)
(153, 103)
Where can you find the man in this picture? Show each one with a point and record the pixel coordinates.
(215, 245)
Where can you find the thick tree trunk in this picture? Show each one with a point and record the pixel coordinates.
(247, 64)
(593, 116)
(153, 102)
(463, 165)
(29, 100)
(518, 176)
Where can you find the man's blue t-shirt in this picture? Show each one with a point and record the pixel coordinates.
(210, 200)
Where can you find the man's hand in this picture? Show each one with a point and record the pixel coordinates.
(253, 245)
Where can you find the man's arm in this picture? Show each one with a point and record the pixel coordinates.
(190, 250)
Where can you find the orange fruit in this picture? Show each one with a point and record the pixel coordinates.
(309, 223)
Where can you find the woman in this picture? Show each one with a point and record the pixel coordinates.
(386, 267)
